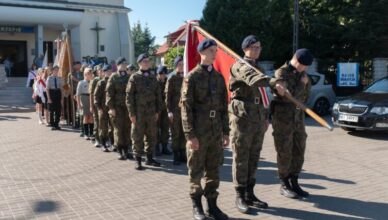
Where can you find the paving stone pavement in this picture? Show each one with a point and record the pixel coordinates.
(48, 174)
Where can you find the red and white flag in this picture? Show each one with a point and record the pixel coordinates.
(222, 64)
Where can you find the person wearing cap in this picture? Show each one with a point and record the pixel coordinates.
(163, 128)
(73, 79)
(173, 96)
(144, 105)
(105, 131)
(288, 121)
(54, 91)
(115, 100)
(248, 123)
(131, 69)
(205, 125)
(98, 74)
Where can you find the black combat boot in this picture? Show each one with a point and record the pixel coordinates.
(158, 152)
(138, 165)
(240, 202)
(165, 150)
(176, 161)
(214, 211)
(251, 199)
(151, 162)
(183, 157)
(198, 213)
(296, 187)
(286, 190)
(104, 148)
(122, 153)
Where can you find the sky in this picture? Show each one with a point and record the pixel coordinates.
(164, 16)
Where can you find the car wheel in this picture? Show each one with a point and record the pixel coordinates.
(322, 106)
(348, 129)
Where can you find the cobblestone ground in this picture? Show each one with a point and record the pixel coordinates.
(48, 174)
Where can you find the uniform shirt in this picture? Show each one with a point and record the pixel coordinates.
(292, 78)
(245, 94)
(173, 92)
(54, 82)
(203, 92)
(74, 83)
(162, 86)
(83, 87)
(143, 94)
(115, 90)
(100, 94)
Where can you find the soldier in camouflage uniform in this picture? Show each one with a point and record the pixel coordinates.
(115, 100)
(288, 121)
(205, 125)
(99, 74)
(73, 80)
(105, 124)
(248, 123)
(163, 128)
(144, 103)
(173, 96)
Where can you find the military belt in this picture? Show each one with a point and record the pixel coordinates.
(212, 113)
(85, 94)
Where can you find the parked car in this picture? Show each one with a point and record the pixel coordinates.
(322, 96)
(367, 110)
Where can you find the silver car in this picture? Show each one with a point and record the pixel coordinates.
(322, 96)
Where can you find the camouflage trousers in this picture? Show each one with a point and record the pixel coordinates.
(178, 137)
(105, 126)
(122, 128)
(96, 124)
(163, 132)
(247, 141)
(144, 134)
(205, 163)
(290, 139)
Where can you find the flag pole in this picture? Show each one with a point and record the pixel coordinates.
(70, 59)
(288, 95)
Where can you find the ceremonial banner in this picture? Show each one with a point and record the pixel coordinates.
(224, 59)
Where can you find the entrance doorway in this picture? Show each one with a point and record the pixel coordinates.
(14, 52)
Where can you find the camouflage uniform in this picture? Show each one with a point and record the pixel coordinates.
(143, 101)
(173, 96)
(205, 117)
(72, 83)
(163, 132)
(288, 123)
(115, 99)
(105, 124)
(247, 121)
(92, 88)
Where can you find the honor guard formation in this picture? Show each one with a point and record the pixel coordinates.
(136, 112)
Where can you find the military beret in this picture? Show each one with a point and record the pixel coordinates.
(106, 67)
(248, 41)
(120, 60)
(56, 67)
(141, 57)
(76, 63)
(161, 70)
(304, 56)
(177, 60)
(97, 67)
(203, 45)
(131, 67)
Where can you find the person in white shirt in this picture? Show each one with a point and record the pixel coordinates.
(31, 76)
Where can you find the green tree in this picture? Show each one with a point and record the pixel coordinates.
(173, 52)
(270, 20)
(143, 40)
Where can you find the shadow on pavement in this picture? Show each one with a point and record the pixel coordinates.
(376, 135)
(12, 117)
(301, 214)
(359, 208)
(41, 207)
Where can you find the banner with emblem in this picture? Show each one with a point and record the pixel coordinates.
(225, 57)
